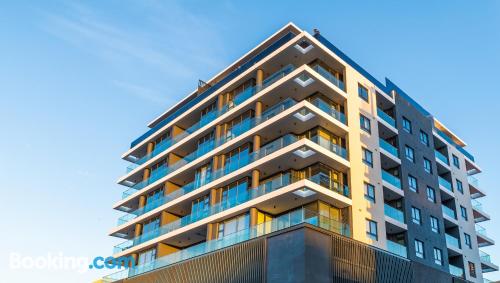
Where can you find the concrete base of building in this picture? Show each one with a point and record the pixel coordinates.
(300, 254)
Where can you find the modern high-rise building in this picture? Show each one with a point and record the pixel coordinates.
(295, 151)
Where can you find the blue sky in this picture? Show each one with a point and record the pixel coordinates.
(79, 81)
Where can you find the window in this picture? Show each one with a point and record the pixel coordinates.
(371, 229)
(410, 153)
(416, 216)
(434, 224)
(419, 248)
(431, 194)
(412, 183)
(367, 157)
(438, 256)
(406, 125)
(363, 92)
(370, 192)
(234, 225)
(463, 212)
(456, 161)
(427, 166)
(460, 186)
(365, 123)
(424, 138)
(472, 269)
(147, 256)
(468, 242)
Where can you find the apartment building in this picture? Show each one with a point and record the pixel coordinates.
(295, 132)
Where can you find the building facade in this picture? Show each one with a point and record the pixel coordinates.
(296, 132)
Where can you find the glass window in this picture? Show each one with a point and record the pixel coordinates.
(472, 270)
(460, 186)
(416, 216)
(367, 157)
(463, 212)
(427, 166)
(412, 183)
(370, 192)
(200, 207)
(468, 242)
(233, 225)
(438, 256)
(424, 138)
(407, 125)
(419, 248)
(150, 225)
(365, 123)
(147, 256)
(456, 161)
(434, 224)
(431, 194)
(363, 92)
(234, 193)
(410, 153)
(371, 229)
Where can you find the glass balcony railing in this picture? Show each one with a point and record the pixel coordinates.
(444, 183)
(235, 131)
(394, 213)
(456, 271)
(327, 75)
(391, 179)
(264, 151)
(237, 71)
(473, 181)
(389, 147)
(480, 230)
(452, 241)
(441, 157)
(477, 205)
(330, 110)
(238, 99)
(448, 211)
(484, 257)
(284, 221)
(384, 116)
(335, 148)
(397, 248)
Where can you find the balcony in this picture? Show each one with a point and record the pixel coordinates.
(441, 157)
(217, 85)
(486, 264)
(394, 220)
(394, 213)
(478, 211)
(329, 110)
(391, 179)
(444, 184)
(474, 188)
(327, 75)
(209, 117)
(483, 239)
(449, 212)
(285, 221)
(387, 119)
(456, 271)
(453, 245)
(389, 148)
(263, 189)
(397, 249)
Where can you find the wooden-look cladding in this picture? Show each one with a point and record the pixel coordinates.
(243, 263)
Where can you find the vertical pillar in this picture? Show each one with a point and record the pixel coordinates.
(146, 174)
(142, 201)
(134, 262)
(167, 217)
(212, 230)
(256, 142)
(254, 215)
(259, 79)
(138, 230)
(220, 101)
(258, 111)
(255, 178)
(150, 148)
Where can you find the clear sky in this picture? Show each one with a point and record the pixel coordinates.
(79, 81)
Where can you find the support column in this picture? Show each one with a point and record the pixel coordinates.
(138, 230)
(134, 256)
(212, 230)
(254, 214)
(176, 130)
(255, 178)
(173, 158)
(258, 111)
(150, 148)
(259, 78)
(256, 142)
(142, 201)
(220, 101)
(146, 174)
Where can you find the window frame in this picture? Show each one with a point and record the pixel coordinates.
(409, 149)
(360, 95)
(416, 215)
(407, 126)
(365, 121)
(370, 153)
(419, 249)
